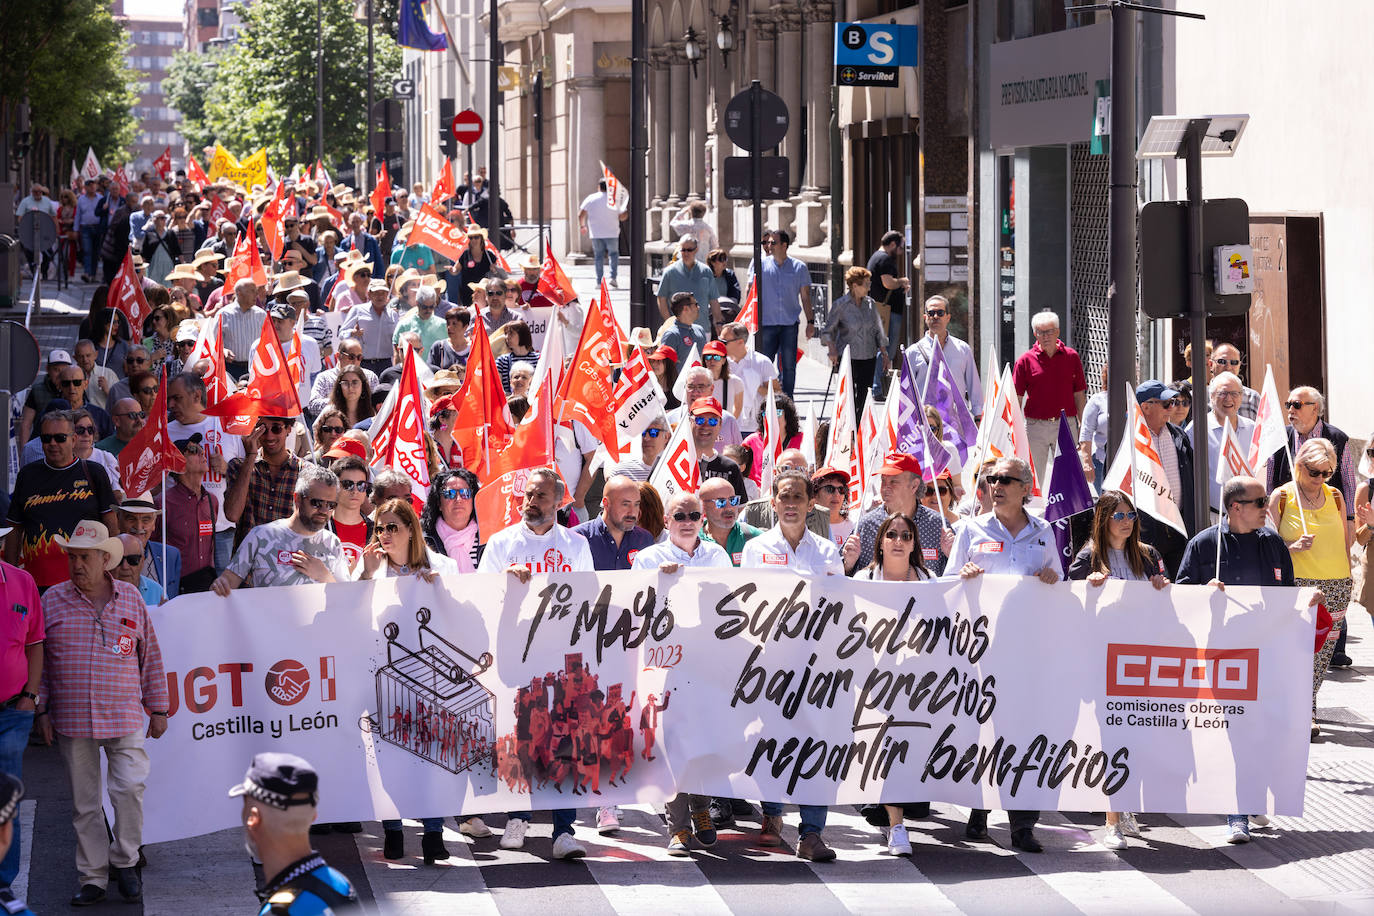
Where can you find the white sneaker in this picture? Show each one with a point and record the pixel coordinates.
(1259, 820)
(1239, 832)
(607, 820)
(1129, 826)
(567, 847)
(898, 843)
(1115, 837)
(514, 837)
(475, 827)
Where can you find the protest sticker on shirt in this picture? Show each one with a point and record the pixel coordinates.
(989, 547)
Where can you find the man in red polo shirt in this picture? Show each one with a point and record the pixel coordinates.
(1049, 378)
(21, 670)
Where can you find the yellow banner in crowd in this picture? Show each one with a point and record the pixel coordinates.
(251, 171)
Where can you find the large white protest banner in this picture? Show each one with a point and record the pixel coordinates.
(479, 694)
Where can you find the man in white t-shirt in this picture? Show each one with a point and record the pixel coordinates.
(540, 544)
(788, 545)
(296, 550)
(599, 219)
(186, 404)
(755, 369)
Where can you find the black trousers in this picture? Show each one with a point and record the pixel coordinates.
(863, 381)
(1020, 820)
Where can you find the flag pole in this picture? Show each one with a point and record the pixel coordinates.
(164, 526)
(1221, 529)
(1297, 495)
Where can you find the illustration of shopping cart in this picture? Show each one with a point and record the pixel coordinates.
(432, 705)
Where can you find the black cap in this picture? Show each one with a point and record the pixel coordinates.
(276, 779)
(11, 792)
(193, 439)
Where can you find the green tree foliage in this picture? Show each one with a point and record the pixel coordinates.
(189, 79)
(261, 92)
(66, 57)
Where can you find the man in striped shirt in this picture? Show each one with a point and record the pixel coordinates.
(241, 324)
(103, 689)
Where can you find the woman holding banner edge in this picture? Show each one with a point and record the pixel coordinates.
(1114, 551)
(896, 558)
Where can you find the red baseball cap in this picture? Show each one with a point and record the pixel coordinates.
(706, 405)
(664, 352)
(442, 404)
(821, 473)
(715, 348)
(899, 463)
(344, 447)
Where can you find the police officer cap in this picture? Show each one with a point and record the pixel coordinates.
(11, 792)
(279, 780)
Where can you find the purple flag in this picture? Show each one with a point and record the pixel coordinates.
(914, 435)
(1069, 493)
(943, 394)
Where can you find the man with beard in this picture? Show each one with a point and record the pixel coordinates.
(540, 544)
(296, 550)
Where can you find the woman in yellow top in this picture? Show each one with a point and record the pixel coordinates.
(1310, 517)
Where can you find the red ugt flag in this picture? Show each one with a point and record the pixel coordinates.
(150, 451)
(126, 294)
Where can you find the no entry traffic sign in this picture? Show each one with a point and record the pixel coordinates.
(467, 127)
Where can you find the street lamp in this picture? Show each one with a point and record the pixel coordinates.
(725, 40)
(692, 48)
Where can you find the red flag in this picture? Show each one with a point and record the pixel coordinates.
(553, 283)
(749, 312)
(150, 451)
(121, 181)
(443, 185)
(321, 177)
(126, 294)
(76, 179)
(438, 233)
(481, 428)
(210, 347)
(400, 442)
(272, 217)
(163, 163)
(531, 445)
(269, 392)
(500, 258)
(381, 192)
(195, 172)
(246, 261)
(218, 210)
(586, 392)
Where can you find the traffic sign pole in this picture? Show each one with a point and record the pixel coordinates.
(756, 173)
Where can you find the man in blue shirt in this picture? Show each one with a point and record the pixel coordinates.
(785, 293)
(687, 274)
(685, 333)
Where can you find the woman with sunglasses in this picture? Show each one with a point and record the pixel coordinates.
(727, 284)
(352, 396)
(328, 427)
(398, 548)
(939, 497)
(728, 389)
(1114, 551)
(1309, 514)
(791, 431)
(832, 496)
(896, 558)
(854, 323)
(450, 520)
(143, 388)
(85, 450)
(159, 343)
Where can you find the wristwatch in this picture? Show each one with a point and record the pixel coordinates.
(31, 696)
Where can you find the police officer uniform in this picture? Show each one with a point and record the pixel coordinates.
(308, 886)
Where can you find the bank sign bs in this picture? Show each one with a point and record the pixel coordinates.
(873, 55)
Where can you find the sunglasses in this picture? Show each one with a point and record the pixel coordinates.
(133, 559)
(897, 536)
(390, 528)
(1001, 480)
(686, 516)
(52, 437)
(766, 242)
(275, 429)
(351, 356)
(134, 415)
(332, 430)
(831, 488)
(152, 390)
(1313, 472)
(654, 433)
(355, 486)
(706, 421)
(85, 430)
(685, 250)
(723, 501)
(1259, 502)
(327, 505)
(1123, 516)
(73, 382)
(136, 360)
(711, 358)
(1181, 402)
(181, 344)
(1226, 362)
(1298, 405)
(936, 313)
(456, 493)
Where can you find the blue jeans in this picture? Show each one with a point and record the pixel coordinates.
(224, 549)
(812, 816)
(14, 737)
(432, 824)
(90, 248)
(562, 819)
(779, 342)
(600, 249)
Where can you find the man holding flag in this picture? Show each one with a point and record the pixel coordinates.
(1175, 455)
(599, 218)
